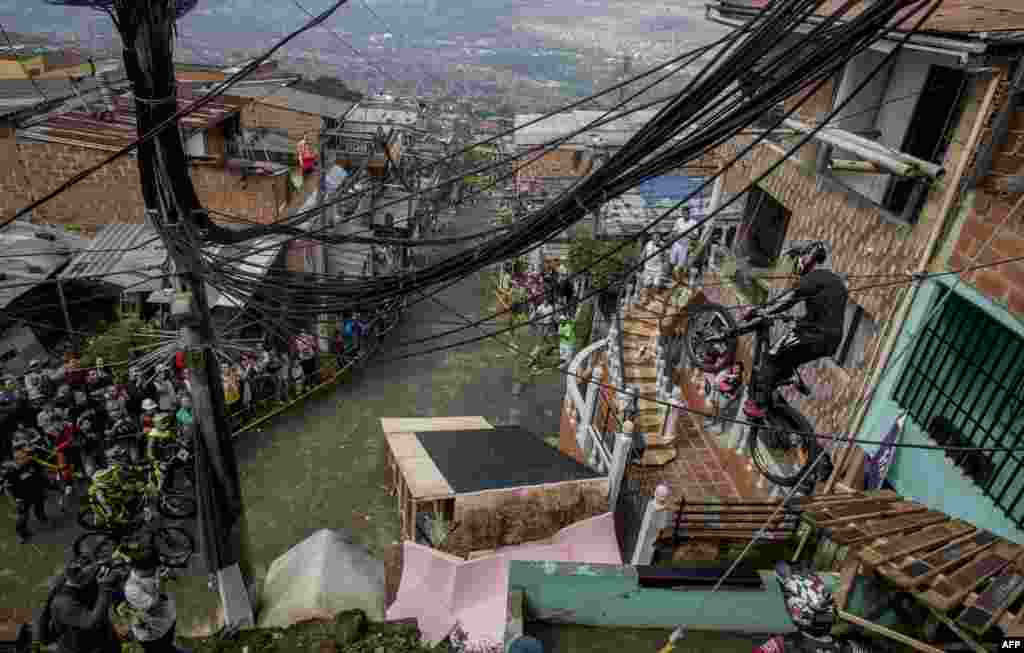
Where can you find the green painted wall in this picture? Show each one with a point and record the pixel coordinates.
(927, 476)
(609, 595)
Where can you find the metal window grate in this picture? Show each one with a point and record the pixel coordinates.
(964, 383)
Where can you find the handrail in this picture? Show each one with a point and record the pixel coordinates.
(573, 373)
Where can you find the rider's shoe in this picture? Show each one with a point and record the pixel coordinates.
(752, 410)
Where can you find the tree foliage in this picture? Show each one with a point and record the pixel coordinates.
(114, 342)
(586, 252)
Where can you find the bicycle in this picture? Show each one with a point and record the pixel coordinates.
(790, 447)
(174, 546)
(94, 515)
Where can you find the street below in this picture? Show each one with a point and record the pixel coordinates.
(321, 464)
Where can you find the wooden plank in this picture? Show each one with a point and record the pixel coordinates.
(424, 424)
(888, 632)
(884, 549)
(862, 512)
(847, 576)
(983, 610)
(871, 529)
(806, 503)
(403, 445)
(914, 571)
(949, 590)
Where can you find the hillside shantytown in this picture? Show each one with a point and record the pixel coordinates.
(717, 344)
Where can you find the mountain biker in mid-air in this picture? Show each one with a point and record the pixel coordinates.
(816, 334)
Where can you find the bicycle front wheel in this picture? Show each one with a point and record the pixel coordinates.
(705, 322)
(174, 546)
(176, 506)
(784, 449)
(97, 546)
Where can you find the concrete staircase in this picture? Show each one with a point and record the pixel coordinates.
(640, 356)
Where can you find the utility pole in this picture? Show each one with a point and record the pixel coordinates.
(147, 30)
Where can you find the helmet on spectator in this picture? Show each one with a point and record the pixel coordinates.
(118, 454)
(148, 404)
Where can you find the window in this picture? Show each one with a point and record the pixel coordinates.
(760, 235)
(858, 329)
(964, 383)
(911, 106)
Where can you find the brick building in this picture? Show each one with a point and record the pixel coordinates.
(47, 150)
(947, 354)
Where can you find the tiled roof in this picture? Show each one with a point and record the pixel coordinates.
(125, 254)
(300, 101)
(953, 16)
(86, 130)
(613, 133)
(33, 256)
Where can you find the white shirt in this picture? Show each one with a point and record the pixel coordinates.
(680, 251)
(684, 225)
(155, 609)
(653, 258)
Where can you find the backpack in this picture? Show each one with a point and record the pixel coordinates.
(46, 629)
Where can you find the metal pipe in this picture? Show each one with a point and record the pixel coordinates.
(898, 163)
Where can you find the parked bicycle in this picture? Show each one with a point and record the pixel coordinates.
(146, 487)
(784, 448)
(118, 549)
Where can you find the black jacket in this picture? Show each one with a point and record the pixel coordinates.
(824, 295)
(26, 483)
(82, 614)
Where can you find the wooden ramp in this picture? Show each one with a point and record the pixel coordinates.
(967, 577)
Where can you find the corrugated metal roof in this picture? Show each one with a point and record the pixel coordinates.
(33, 256)
(289, 98)
(85, 130)
(398, 115)
(264, 252)
(614, 133)
(953, 16)
(116, 253)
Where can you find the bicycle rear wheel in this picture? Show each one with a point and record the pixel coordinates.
(174, 546)
(89, 519)
(710, 321)
(176, 506)
(180, 478)
(779, 454)
(97, 546)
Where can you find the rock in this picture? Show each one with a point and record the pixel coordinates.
(349, 626)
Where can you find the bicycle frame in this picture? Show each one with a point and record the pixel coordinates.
(761, 329)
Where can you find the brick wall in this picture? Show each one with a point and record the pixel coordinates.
(993, 223)
(862, 243)
(113, 193)
(993, 231)
(560, 163)
(294, 123)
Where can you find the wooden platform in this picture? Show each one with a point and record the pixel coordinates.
(966, 576)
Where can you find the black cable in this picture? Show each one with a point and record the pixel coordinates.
(804, 139)
(646, 229)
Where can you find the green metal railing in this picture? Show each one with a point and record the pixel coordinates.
(964, 383)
